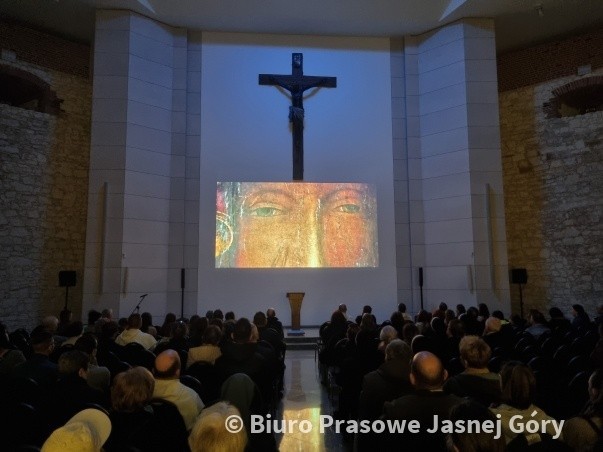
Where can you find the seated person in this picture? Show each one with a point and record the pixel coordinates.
(168, 387)
(209, 350)
(134, 334)
(585, 432)
(39, 367)
(476, 381)
(88, 430)
(210, 433)
(71, 393)
(138, 424)
(518, 388)
(9, 357)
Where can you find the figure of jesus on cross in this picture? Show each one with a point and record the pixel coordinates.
(297, 83)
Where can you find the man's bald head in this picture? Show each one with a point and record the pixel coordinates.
(427, 371)
(167, 365)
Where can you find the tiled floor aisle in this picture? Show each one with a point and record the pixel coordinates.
(305, 398)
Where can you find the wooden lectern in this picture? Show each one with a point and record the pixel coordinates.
(295, 301)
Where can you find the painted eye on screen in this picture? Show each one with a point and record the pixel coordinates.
(348, 208)
(265, 211)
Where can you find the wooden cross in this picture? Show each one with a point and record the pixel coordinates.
(296, 84)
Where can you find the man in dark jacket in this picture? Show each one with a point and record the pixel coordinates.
(427, 404)
(390, 381)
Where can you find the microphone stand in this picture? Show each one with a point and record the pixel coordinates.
(137, 308)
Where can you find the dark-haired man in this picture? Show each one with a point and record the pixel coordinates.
(241, 355)
(134, 334)
(39, 367)
(168, 387)
(427, 375)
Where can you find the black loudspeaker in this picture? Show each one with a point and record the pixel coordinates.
(519, 276)
(182, 272)
(66, 278)
(420, 276)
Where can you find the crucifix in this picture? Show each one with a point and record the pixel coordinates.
(296, 84)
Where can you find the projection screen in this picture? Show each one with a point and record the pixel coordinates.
(296, 224)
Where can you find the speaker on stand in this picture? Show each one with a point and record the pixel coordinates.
(67, 279)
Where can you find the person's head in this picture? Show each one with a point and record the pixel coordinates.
(343, 308)
(578, 311)
(556, 313)
(397, 320)
(179, 330)
(472, 312)
(401, 308)
(423, 316)
(338, 318)
(498, 314)
(210, 432)
(93, 316)
(242, 331)
(50, 323)
(209, 314)
(218, 314)
(536, 317)
(595, 386)
(231, 316)
(595, 393)
(438, 326)
(474, 351)
(132, 390)
(255, 334)
(455, 328)
(421, 343)
(107, 314)
(270, 313)
(87, 431)
(147, 320)
(492, 325)
(518, 385)
(259, 319)
(443, 307)
(460, 309)
(167, 365)
(134, 322)
(73, 329)
(398, 350)
(352, 331)
(476, 441)
(212, 335)
(368, 322)
(87, 343)
(65, 316)
(483, 310)
(449, 315)
(42, 342)
(170, 318)
(74, 362)
(427, 371)
(388, 333)
(409, 331)
(123, 323)
(109, 329)
(366, 309)
(263, 225)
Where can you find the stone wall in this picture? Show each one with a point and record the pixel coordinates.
(553, 177)
(43, 193)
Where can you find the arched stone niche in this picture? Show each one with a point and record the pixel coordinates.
(576, 98)
(23, 89)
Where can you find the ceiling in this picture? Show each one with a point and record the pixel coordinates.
(519, 23)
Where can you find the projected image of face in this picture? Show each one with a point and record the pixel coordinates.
(265, 224)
